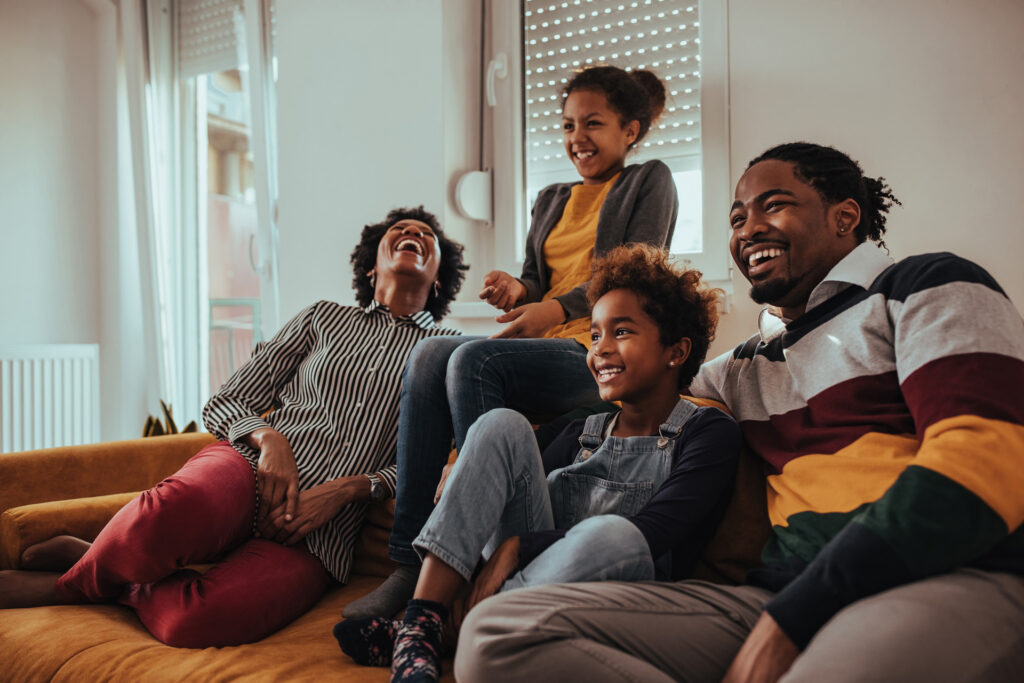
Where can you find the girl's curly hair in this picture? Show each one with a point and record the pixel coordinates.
(679, 303)
(451, 271)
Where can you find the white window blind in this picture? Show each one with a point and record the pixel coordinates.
(210, 35)
(565, 36)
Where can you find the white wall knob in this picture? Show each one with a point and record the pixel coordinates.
(473, 195)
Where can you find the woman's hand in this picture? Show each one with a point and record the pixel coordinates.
(503, 564)
(501, 290)
(276, 473)
(317, 506)
(444, 479)
(531, 320)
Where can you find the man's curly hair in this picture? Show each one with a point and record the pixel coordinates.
(679, 303)
(451, 271)
(836, 177)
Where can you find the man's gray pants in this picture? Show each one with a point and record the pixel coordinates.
(964, 626)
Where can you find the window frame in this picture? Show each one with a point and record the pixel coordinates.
(508, 141)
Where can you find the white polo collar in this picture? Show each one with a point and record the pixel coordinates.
(860, 267)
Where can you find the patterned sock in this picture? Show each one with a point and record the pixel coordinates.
(368, 642)
(417, 656)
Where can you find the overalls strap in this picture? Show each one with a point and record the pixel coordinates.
(593, 433)
(683, 411)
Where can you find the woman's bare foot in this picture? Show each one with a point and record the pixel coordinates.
(28, 589)
(57, 554)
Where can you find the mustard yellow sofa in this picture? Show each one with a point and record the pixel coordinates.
(75, 490)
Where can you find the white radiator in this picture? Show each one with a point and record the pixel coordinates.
(49, 396)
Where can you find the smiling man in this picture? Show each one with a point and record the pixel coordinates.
(887, 402)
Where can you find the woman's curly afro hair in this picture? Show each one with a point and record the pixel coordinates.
(451, 271)
(674, 296)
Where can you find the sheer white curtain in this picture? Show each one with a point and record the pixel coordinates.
(167, 268)
(165, 44)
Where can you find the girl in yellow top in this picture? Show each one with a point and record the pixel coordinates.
(537, 364)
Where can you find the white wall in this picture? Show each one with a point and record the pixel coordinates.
(49, 214)
(360, 131)
(926, 93)
(65, 274)
(378, 106)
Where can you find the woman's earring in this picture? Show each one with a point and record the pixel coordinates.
(437, 288)
(373, 278)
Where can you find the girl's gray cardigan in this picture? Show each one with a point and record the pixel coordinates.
(640, 207)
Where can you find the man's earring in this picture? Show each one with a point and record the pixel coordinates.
(843, 228)
(373, 278)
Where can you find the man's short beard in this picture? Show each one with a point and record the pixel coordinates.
(771, 291)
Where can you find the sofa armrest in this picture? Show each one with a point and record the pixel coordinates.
(27, 525)
(93, 470)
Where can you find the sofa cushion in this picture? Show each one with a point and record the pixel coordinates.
(108, 643)
(93, 469)
(27, 525)
(370, 556)
(736, 546)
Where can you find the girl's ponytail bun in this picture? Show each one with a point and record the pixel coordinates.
(655, 90)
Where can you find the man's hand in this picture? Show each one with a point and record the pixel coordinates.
(276, 473)
(501, 290)
(503, 564)
(766, 655)
(531, 320)
(444, 479)
(316, 506)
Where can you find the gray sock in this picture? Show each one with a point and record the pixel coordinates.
(388, 598)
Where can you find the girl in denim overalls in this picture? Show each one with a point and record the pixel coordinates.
(630, 495)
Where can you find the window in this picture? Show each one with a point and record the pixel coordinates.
(198, 81)
(683, 42)
(232, 226)
(229, 87)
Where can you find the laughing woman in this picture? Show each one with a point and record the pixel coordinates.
(277, 503)
(537, 364)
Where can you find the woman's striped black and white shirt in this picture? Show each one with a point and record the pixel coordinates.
(332, 376)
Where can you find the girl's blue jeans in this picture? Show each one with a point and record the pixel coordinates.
(448, 383)
(498, 489)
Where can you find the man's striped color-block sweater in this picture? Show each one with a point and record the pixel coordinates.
(890, 417)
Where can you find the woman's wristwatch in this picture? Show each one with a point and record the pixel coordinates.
(377, 489)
